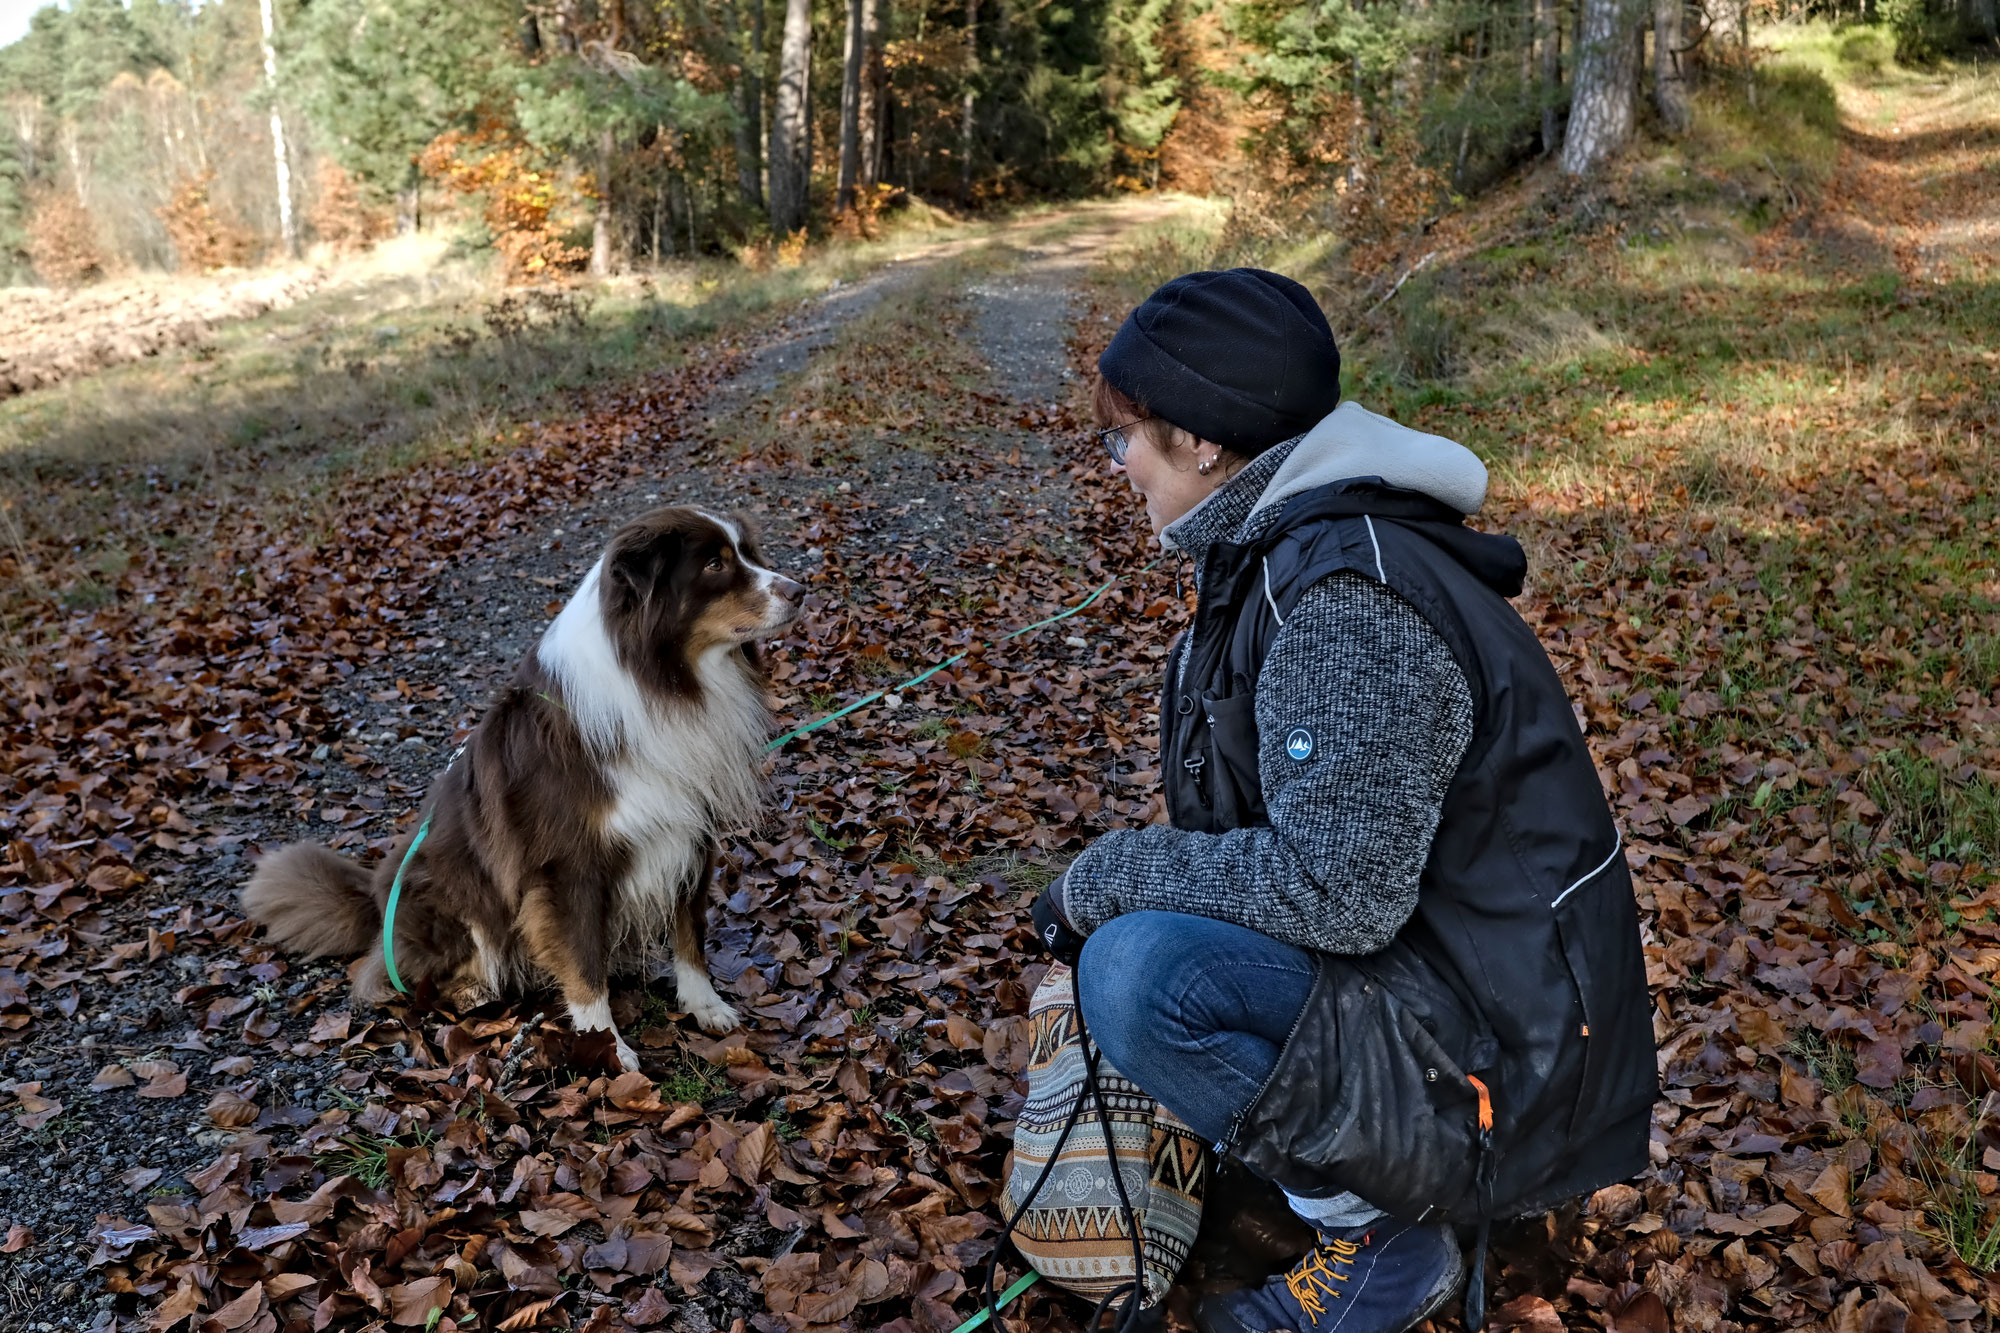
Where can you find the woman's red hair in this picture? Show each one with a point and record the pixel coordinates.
(1111, 406)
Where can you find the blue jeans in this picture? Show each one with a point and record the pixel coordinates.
(1195, 1012)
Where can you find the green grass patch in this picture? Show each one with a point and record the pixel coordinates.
(903, 373)
(365, 1156)
(1938, 814)
(693, 1079)
(410, 355)
(1831, 1062)
(1960, 1216)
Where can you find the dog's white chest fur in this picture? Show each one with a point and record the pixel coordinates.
(677, 770)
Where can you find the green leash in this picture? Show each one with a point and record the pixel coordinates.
(389, 912)
(396, 891)
(797, 732)
(423, 829)
(1021, 1284)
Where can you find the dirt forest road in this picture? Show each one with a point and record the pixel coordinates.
(1010, 303)
(904, 443)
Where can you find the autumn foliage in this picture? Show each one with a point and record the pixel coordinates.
(62, 243)
(521, 197)
(204, 239)
(341, 217)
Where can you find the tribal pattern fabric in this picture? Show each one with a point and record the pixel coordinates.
(1074, 1232)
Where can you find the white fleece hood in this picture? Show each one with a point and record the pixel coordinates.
(1351, 441)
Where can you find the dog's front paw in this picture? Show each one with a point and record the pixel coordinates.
(699, 999)
(628, 1059)
(470, 995)
(714, 1014)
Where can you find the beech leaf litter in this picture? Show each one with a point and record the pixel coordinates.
(1821, 943)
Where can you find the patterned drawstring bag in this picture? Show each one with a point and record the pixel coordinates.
(1075, 1231)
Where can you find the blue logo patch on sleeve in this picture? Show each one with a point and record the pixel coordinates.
(1299, 744)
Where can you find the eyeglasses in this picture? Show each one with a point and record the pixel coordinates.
(1114, 441)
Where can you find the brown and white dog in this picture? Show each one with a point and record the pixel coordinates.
(578, 828)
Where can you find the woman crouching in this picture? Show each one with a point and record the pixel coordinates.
(1386, 952)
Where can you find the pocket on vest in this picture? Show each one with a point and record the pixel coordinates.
(1232, 729)
(1597, 922)
(1399, 1127)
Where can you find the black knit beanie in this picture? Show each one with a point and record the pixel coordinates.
(1242, 358)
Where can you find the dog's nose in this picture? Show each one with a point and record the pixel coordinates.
(791, 590)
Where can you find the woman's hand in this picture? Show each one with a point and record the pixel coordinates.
(1052, 926)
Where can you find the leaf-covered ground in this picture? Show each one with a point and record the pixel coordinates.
(1757, 487)
(1760, 497)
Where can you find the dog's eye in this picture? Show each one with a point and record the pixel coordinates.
(716, 564)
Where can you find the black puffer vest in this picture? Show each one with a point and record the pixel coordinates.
(1520, 971)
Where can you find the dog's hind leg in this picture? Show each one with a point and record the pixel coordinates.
(697, 992)
(566, 940)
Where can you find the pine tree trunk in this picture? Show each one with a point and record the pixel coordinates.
(1527, 34)
(1670, 85)
(600, 227)
(791, 161)
(1548, 43)
(1607, 70)
(1985, 20)
(850, 106)
(748, 95)
(288, 231)
(760, 112)
(872, 77)
(966, 124)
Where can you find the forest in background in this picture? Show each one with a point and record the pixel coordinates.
(600, 134)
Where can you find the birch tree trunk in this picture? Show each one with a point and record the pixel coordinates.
(1670, 84)
(1607, 72)
(850, 106)
(79, 173)
(288, 231)
(791, 163)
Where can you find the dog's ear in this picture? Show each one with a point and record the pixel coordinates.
(748, 547)
(641, 570)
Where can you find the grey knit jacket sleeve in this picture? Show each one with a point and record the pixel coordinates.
(1337, 868)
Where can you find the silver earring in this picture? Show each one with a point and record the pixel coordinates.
(1205, 468)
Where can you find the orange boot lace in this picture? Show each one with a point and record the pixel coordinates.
(1318, 1277)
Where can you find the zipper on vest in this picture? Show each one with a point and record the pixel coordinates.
(1194, 767)
(1227, 1143)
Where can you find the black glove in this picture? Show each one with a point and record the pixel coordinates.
(1053, 929)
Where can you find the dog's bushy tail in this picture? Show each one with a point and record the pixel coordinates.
(314, 901)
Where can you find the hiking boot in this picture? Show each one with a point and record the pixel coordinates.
(1385, 1278)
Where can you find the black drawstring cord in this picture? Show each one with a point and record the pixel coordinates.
(993, 1309)
(1475, 1284)
(1131, 1315)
